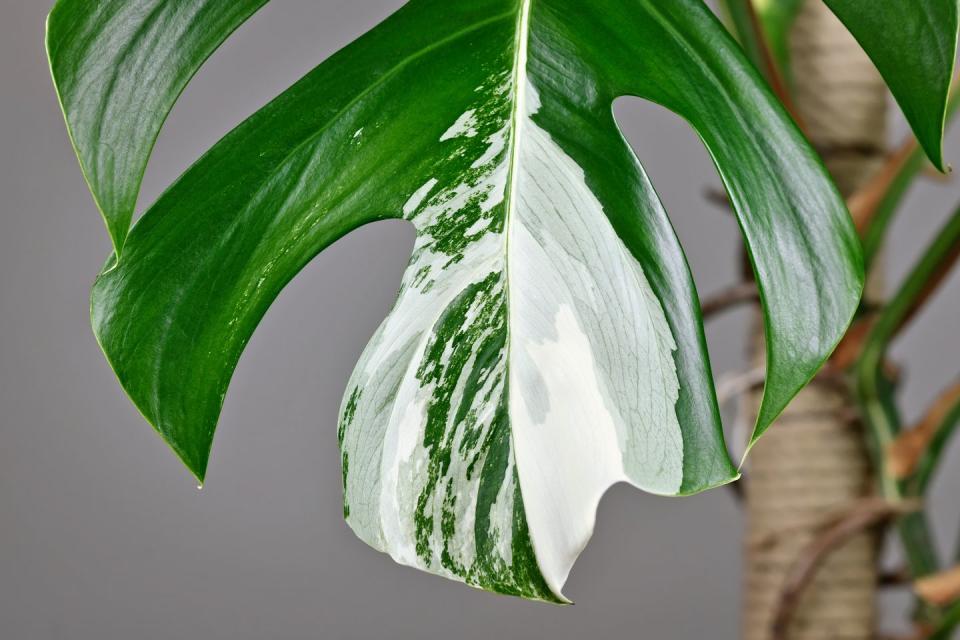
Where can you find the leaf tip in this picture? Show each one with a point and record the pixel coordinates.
(194, 459)
(196, 464)
(933, 147)
(118, 237)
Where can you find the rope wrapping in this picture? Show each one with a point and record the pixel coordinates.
(814, 462)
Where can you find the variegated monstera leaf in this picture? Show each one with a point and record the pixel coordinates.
(547, 341)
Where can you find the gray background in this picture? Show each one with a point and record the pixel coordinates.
(102, 533)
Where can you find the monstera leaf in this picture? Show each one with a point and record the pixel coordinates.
(119, 67)
(547, 340)
(913, 44)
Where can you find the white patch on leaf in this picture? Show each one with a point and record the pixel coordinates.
(593, 384)
(580, 358)
(464, 126)
(418, 196)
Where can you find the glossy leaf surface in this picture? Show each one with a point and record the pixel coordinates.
(547, 341)
(914, 45)
(119, 66)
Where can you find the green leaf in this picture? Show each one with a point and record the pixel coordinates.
(890, 201)
(913, 43)
(119, 66)
(777, 18)
(547, 341)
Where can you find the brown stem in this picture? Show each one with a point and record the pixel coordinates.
(865, 515)
(865, 202)
(942, 589)
(931, 287)
(896, 578)
(733, 386)
(905, 453)
(729, 298)
(770, 67)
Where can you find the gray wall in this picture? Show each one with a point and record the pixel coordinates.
(104, 536)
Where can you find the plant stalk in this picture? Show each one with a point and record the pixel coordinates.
(814, 462)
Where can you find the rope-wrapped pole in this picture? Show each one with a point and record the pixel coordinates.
(814, 463)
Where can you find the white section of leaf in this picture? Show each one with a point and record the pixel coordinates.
(418, 197)
(399, 489)
(464, 126)
(593, 384)
(494, 150)
(570, 455)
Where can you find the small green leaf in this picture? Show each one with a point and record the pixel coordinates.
(913, 43)
(119, 66)
(547, 341)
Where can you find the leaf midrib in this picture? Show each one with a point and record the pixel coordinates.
(517, 114)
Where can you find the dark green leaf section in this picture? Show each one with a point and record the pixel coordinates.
(206, 261)
(119, 66)
(914, 45)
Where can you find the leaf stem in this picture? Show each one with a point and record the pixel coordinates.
(875, 205)
(931, 459)
(875, 392)
(749, 30)
(948, 624)
(912, 445)
(863, 516)
(729, 298)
